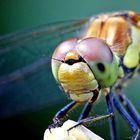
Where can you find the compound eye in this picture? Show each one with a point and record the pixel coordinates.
(65, 47)
(60, 54)
(95, 49)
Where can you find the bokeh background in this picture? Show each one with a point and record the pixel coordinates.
(28, 104)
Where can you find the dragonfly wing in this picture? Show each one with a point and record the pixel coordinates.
(26, 82)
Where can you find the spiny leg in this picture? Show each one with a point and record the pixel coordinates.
(60, 114)
(112, 123)
(88, 105)
(130, 108)
(128, 118)
(124, 100)
(85, 111)
(93, 119)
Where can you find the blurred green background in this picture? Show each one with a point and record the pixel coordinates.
(29, 104)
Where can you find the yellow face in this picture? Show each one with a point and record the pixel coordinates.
(77, 79)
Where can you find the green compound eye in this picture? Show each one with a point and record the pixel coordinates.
(101, 67)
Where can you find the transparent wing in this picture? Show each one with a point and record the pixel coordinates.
(26, 82)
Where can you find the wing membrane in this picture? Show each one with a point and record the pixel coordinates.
(26, 82)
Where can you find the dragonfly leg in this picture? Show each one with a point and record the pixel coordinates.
(95, 118)
(88, 106)
(130, 108)
(61, 113)
(112, 124)
(128, 118)
(92, 119)
(86, 110)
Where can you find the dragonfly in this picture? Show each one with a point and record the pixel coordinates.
(102, 68)
(100, 62)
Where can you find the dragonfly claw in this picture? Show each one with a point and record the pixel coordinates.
(54, 125)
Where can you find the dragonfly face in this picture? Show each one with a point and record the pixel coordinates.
(81, 66)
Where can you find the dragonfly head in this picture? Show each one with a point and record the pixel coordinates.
(83, 66)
